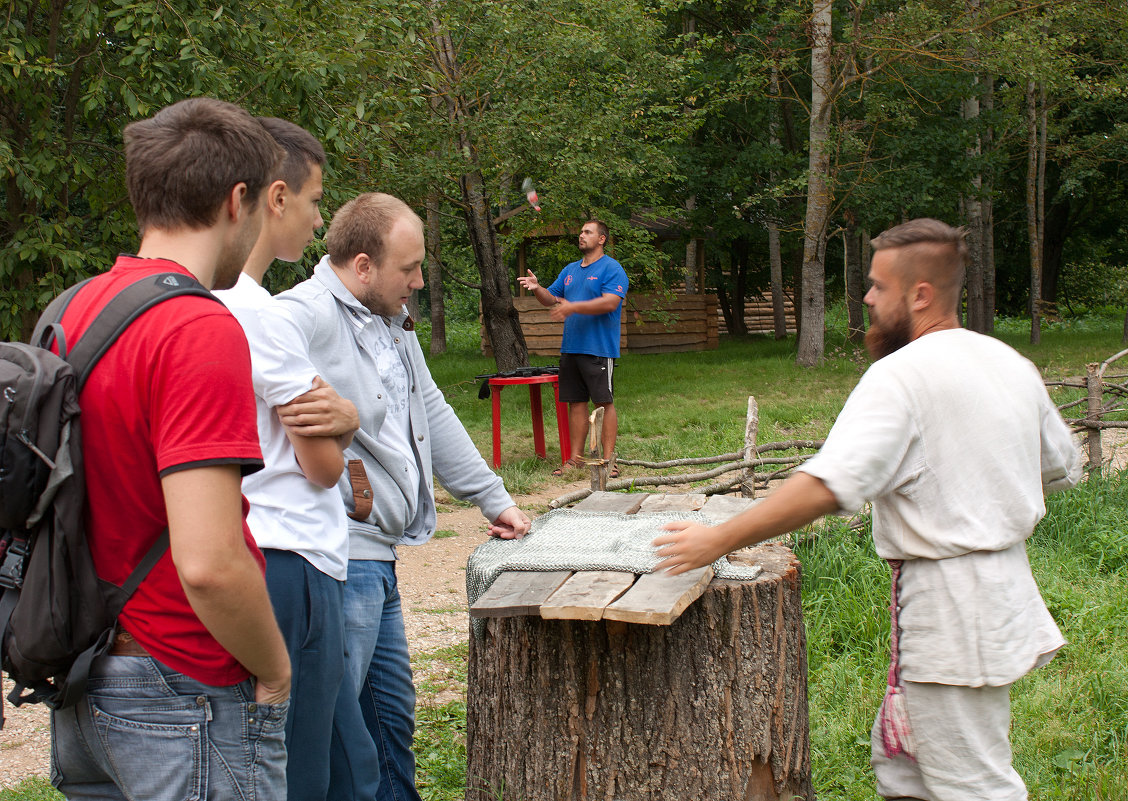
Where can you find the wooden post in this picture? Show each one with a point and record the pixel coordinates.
(713, 706)
(751, 431)
(599, 465)
(1093, 436)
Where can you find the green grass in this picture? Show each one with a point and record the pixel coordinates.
(694, 404)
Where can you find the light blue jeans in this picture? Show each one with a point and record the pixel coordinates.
(146, 732)
(379, 668)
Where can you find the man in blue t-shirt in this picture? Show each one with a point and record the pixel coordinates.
(587, 296)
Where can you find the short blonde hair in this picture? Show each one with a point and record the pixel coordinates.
(362, 226)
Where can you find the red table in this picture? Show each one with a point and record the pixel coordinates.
(534, 383)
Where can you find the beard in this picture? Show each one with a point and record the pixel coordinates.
(888, 336)
(375, 302)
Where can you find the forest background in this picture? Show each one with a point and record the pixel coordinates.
(778, 137)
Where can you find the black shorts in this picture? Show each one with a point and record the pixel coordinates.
(584, 378)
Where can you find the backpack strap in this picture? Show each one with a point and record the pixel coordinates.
(122, 310)
(75, 684)
(48, 329)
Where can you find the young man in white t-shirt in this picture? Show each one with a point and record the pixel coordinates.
(296, 514)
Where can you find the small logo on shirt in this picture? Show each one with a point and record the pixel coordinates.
(619, 287)
(593, 278)
(568, 281)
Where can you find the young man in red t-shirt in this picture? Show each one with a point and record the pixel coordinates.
(191, 700)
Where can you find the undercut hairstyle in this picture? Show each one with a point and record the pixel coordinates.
(931, 251)
(362, 226)
(604, 231)
(181, 163)
(303, 151)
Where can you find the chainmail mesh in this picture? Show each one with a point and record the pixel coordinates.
(570, 539)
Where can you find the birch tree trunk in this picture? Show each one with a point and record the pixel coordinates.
(779, 308)
(435, 276)
(1033, 221)
(813, 309)
(855, 283)
(988, 211)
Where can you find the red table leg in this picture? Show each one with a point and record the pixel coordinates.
(495, 399)
(562, 425)
(538, 421)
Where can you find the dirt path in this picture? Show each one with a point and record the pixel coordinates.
(432, 581)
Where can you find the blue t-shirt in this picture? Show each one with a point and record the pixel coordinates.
(593, 334)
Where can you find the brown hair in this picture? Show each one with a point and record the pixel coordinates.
(302, 151)
(362, 226)
(933, 251)
(181, 163)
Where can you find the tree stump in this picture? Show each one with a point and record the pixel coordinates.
(713, 706)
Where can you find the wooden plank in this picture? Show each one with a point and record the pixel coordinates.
(659, 598)
(518, 592)
(584, 596)
(626, 503)
(674, 502)
(725, 507)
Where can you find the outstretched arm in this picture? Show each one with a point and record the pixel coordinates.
(531, 283)
(800, 500)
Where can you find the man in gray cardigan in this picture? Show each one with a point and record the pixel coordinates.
(361, 340)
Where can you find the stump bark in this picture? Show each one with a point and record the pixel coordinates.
(713, 706)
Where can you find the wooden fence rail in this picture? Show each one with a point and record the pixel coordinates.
(1097, 384)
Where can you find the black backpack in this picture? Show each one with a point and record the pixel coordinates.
(56, 615)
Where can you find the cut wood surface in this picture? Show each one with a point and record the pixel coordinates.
(626, 503)
(585, 595)
(518, 593)
(724, 507)
(688, 502)
(658, 599)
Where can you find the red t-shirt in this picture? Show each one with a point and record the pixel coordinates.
(173, 392)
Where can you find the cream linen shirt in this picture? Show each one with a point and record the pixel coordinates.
(954, 440)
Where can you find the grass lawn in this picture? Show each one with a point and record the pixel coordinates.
(1070, 729)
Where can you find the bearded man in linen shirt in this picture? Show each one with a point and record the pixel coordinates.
(953, 439)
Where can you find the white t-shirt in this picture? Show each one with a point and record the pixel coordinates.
(954, 440)
(288, 512)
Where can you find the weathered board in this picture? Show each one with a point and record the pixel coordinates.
(624, 503)
(658, 599)
(724, 507)
(585, 595)
(518, 593)
(689, 502)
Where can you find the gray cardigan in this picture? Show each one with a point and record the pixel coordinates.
(338, 330)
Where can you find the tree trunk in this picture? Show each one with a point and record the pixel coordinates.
(779, 308)
(855, 283)
(435, 276)
(1033, 230)
(739, 260)
(973, 206)
(1059, 221)
(503, 326)
(813, 290)
(713, 706)
(987, 209)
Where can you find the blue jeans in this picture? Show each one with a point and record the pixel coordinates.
(309, 606)
(146, 732)
(379, 670)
